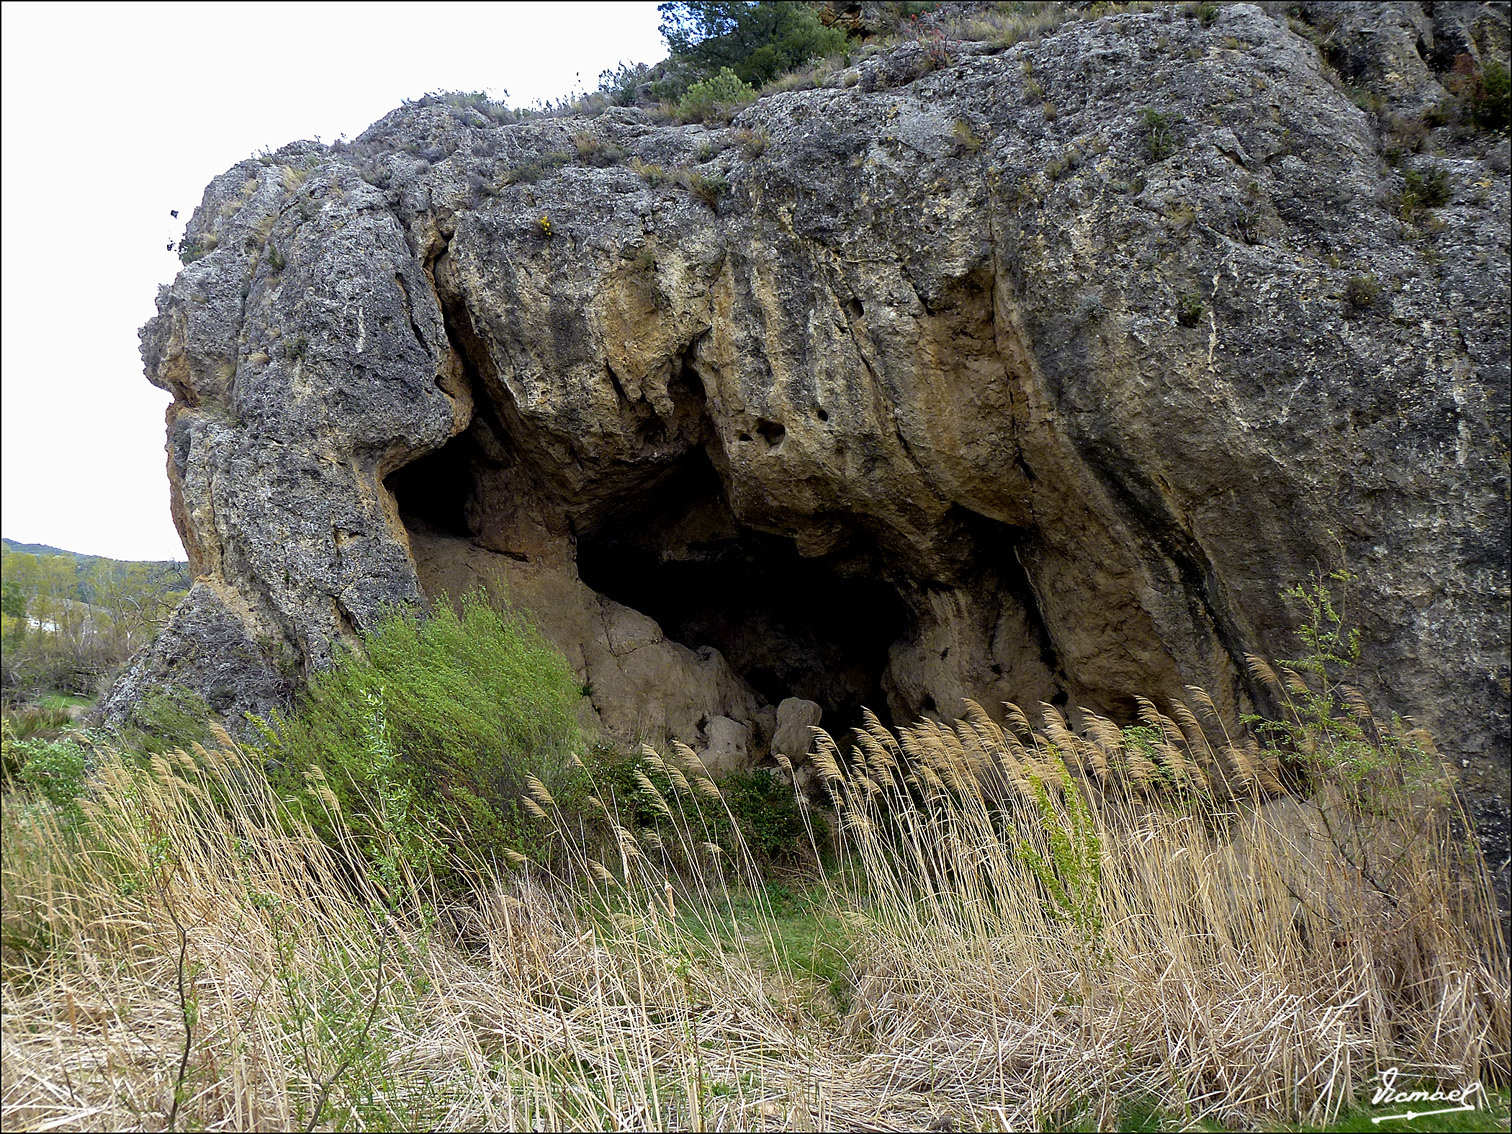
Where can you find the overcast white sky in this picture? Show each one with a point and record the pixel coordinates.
(116, 113)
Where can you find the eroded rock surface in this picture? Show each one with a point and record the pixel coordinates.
(984, 382)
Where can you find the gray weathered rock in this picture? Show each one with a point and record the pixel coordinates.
(795, 718)
(729, 746)
(1033, 378)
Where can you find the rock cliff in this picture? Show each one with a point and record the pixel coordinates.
(1033, 376)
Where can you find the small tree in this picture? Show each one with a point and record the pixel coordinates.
(758, 41)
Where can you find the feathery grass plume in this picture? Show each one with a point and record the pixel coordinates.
(1196, 736)
(990, 732)
(1261, 670)
(538, 790)
(679, 781)
(1357, 704)
(910, 741)
(1071, 746)
(688, 758)
(602, 872)
(534, 808)
(878, 760)
(1105, 747)
(826, 758)
(1244, 769)
(880, 732)
(1019, 722)
(1184, 772)
(657, 799)
(1267, 765)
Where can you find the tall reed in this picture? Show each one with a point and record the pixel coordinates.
(1043, 924)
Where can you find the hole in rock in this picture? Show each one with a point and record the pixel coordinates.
(791, 626)
(433, 492)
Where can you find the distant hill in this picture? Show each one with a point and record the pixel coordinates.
(171, 574)
(47, 549)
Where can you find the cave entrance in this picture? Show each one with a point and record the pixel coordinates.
(791, 626)
(433, 492)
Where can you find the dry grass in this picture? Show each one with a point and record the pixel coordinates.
(1042, 924)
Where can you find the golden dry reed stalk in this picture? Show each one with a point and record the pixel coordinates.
(1040, 925)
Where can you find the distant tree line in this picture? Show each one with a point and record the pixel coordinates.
(67, 621)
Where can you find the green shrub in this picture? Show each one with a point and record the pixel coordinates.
(1189, 310)
(755, 42)
(1422, 191)
(653, 174)
(165, 720)
(708, 188)
(1362, 292)
(1160, 133)
(53, 769)
(715, 98)
(1484, 94)
(434, 728)
(766, 809)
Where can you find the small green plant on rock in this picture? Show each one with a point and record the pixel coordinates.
(752, 142)
(967, 138)
(1189, 310)
(1361, 292)
(707, 187)
(1483, 94)
(650, 172)
(1423, 191)
(1160, 133)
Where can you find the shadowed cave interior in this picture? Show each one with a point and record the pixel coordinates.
(818, 628)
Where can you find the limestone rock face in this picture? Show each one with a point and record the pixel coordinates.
(1034, 378)
(795, 718)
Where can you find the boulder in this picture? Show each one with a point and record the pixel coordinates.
(795, 720)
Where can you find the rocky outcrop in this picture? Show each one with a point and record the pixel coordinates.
(1031, 377)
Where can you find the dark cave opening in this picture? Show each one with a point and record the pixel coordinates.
(434, 491)
(791, 626)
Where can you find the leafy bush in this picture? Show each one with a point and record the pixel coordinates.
(715, 98)
(1189, 310)
(755, 42)
(53, 769)
(1484, 93)
(766, 809)
(1160, 135)
(437, 724)
(1424, 191)
(1362, 291)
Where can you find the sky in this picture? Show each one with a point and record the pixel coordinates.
(115, 114)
